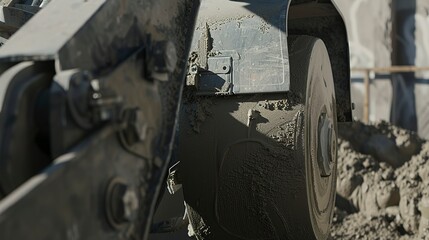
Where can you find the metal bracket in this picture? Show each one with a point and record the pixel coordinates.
(216, 80)
(88, 101)
(174, 182)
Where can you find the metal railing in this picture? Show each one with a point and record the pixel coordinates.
(367, 81)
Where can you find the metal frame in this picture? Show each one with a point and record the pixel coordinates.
(367, 81)
(115, 79)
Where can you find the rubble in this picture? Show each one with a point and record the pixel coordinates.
(382, 184)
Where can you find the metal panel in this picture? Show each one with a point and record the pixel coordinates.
(253, 34)
(50, 30)
(129, 50)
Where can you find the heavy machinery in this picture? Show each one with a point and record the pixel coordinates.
(105, 102)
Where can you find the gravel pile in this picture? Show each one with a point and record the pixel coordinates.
(382, 185)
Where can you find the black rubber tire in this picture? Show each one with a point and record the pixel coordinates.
(251, 170)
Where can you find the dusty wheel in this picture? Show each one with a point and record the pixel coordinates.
(318, 143)
(264, 166)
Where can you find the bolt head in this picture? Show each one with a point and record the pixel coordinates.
(130, 204)
(122, 203)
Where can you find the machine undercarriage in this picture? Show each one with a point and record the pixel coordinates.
(107, 103)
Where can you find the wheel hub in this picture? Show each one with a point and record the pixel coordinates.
(326, 145)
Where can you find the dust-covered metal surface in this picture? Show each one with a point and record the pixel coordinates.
(115, 79)
(324, 21)
(256, 156)
(246, 30)
(91, 41)
(240, 47)
(59, 21)
(13, 15)
(246, 150)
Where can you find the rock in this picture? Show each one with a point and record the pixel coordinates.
(347, 184)
(424, 220)
(339, 215)
(388, 174)
(408, 144)
(392, 211)
(424, 173)
(388, 196)
(385, 150)
(383, 174)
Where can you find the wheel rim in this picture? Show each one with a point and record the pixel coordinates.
(320, 134)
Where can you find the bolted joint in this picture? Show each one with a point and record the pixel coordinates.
(130, 204)
(122, 203)
(193, 77)
(88, 101)
(105, 103)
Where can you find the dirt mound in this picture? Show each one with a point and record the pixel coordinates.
(382, 184)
